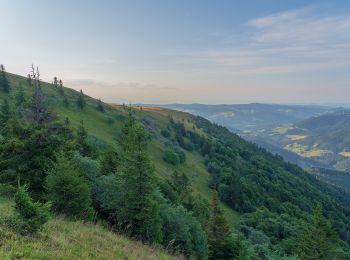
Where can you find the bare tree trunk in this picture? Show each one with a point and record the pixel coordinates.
(39, 110)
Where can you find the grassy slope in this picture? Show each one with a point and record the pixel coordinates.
(64, 239)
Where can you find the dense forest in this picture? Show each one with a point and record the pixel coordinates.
(51, 165)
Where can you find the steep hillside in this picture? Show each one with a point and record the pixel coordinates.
(266, 200)
(333, 177)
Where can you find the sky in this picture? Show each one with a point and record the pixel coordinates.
(184, 51)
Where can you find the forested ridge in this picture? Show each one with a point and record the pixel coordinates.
(162, 177)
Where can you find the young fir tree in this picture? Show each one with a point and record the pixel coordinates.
(81, 103)
(67, 122)
(218, 232)
(29, 217)
(82, 145)
(318, 239)
(68, 190)
(55, 82)
(60, 87)
(109, 162)
(20, 98)
(5, 112)
(29, 80)
(65, 101)
(100, 106)
(138, 214)
(4, 82)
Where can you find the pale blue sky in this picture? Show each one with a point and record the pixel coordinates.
(161, 51)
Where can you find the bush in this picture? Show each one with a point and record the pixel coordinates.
(29, 217)
(7, 190)
(181, 154)
(182, 233)
(174, 156)
(89, 168)
(68, 191)
(165, 133)
(171, 157)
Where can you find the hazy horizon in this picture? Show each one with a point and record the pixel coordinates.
(194, 51)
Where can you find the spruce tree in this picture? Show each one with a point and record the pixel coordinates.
(5, 112)
(28, 150)
(20, 98)
(138, 214)
(317, 240)
(109, 162)
(4, 82)
(29, 217)
(55, 82)
(100, 106)
(81, 100)
(82, 145)
(29, 80)
(65, 101)
(218, 232)
(68, 190)
(66, 121)
(60, 87)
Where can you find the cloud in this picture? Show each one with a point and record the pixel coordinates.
(301, 27)
(287, 42)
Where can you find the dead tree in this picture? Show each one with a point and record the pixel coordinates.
(40, 113)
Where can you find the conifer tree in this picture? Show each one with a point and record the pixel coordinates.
(65, 101)
(20, 98)
(109, 162)
(29, 80)
(29, 150)
(138, 214)
(40, 113)
(218, 232)
(55, 82)
(5, 112)
(4, 82)
(29, 217)
(100, 106)
(81, 100)
(60, 87)
(317, 240)
(82, 145)
(67, 121)
(68, 190)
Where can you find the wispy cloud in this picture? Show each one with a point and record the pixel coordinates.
(301, 27)
(287, 42)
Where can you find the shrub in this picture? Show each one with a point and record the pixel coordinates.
(29, 217)
(181, 154)
(171, 157)
(174, 156)
(7, 190)
(182, 232)
(165, 133)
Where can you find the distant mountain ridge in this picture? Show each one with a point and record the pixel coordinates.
(254, 116)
